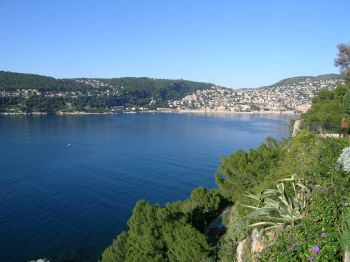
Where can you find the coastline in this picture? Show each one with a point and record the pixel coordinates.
(162, 111)
(21, 113)
(56, 114)
(228, 112)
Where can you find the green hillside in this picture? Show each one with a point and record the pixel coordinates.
(14, 81)
(162, 89)
(141, 85)
(34, 93)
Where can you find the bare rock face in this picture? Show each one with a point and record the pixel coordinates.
(347, 256)
(296, 128)
(250, 247)
(255, 241)
(257, 245)
(243, 250)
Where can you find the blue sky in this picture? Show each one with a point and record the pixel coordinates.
(230, 43)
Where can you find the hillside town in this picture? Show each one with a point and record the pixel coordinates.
(287, 95)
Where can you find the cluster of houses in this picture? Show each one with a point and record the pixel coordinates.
(283, 96)
(20, 92)
(99, 89)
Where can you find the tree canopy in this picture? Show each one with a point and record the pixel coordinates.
(343, 59)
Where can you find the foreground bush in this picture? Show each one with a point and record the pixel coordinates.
(315, 238)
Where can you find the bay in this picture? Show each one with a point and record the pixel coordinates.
(68, 183)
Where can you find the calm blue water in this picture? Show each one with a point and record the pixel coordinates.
(68, 203)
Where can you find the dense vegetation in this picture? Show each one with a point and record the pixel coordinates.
(52, 105)
(175, 232)
(14, 81)
(328, 109)
(88, 95)
(163, 89)
(284, 201)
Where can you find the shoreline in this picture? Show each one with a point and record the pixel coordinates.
(197, 112)
(229, 112)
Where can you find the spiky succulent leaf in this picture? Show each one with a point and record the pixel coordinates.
(276, 208)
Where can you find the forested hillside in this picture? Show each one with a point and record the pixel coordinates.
(150, 87)
(10, 81)
(33, 93)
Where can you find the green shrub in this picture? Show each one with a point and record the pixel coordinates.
(345, 229)
(117, 251)
(242, 171)
(227, 250)
(237, 230)
(318, 228)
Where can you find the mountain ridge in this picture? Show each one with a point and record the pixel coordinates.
(295, 78)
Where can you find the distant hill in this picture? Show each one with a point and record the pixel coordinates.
(133, 87)
(148, 88)
(14, 81)
(88, 94)
(288, 94)
(300, 79)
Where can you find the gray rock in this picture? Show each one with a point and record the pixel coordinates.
(296, 128)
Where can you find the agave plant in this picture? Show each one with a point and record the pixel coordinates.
(343, 161)
(276, 208)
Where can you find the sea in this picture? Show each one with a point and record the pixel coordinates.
(68, 184)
